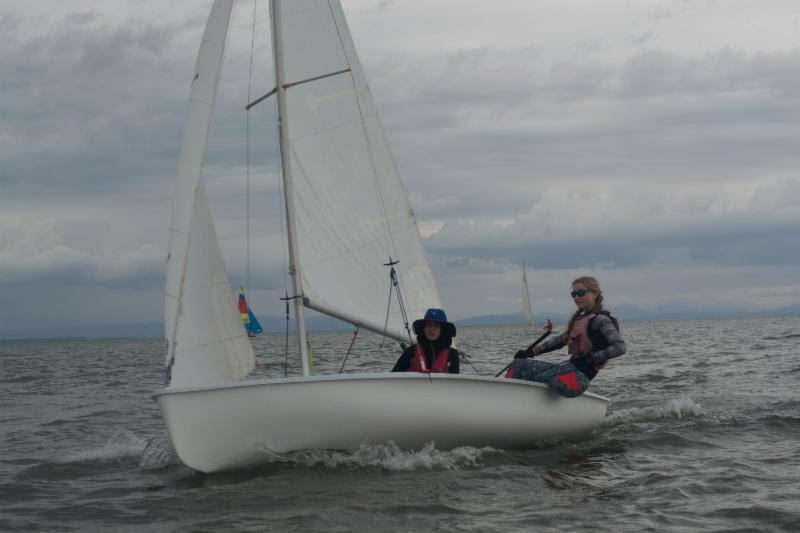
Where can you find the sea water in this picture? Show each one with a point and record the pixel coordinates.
(702, 433)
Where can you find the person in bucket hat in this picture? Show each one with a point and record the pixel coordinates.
(433, 351)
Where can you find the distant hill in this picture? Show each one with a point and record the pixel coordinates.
(630, 313)
(513, 319)
(272, 324)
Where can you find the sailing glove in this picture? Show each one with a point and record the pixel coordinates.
(523, 354)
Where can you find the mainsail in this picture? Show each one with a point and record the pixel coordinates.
(351, 214)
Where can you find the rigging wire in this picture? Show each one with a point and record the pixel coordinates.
(247, 153)
(388, 310)
(286, 340)
(394, 284)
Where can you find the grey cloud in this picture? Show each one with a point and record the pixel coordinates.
(633, 225)
(62, 266)
(641, 39)
(727, 70)
(654, 117)
(89, 106)
(653, 162)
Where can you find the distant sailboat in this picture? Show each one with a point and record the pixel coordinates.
(526, 298)
(351, 232)
(249, 320)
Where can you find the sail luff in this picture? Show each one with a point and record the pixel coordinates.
(206, 343)
(288, 185)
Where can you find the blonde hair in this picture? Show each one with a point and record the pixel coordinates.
(591, 284)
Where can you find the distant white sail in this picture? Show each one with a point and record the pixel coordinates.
(526, 297)
(352, 214)
(206, 341)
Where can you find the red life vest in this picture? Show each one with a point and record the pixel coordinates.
(583, 340)
(418, 363)
(579, 341)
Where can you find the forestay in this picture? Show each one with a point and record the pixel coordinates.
(351, 213)
(206, 341)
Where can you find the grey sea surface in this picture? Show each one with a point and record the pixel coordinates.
(702, 434)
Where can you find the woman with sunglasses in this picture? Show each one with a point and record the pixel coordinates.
(592, 336)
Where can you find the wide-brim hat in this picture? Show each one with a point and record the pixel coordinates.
(437, 315)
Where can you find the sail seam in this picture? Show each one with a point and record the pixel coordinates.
(201, 285)
(199, 101)
(326, 130)
(222, 340)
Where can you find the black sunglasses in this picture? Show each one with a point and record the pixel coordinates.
(579, 292)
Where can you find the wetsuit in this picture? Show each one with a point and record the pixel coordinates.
(571, 378)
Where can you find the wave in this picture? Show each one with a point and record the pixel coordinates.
(121, 445)
(153, 453)
(676, 408)
(158, 453)
(389, 456)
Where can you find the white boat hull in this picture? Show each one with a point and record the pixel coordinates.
(238, 424)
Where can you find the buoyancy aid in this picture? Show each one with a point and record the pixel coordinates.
(579, 341)
(418, 363)
(583, 339)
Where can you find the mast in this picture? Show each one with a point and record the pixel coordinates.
(288, 189)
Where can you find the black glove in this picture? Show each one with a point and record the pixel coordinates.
(523, 354)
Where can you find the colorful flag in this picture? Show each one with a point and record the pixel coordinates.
(248, 318)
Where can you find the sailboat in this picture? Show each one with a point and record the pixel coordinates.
(251, 324)
(526, 298)
(349, 228)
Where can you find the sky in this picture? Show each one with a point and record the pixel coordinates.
(653, 144)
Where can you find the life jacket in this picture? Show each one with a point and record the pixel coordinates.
(418, 363)
(582, 339)
(579, 341)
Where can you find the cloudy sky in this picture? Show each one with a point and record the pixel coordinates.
(652, 143)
